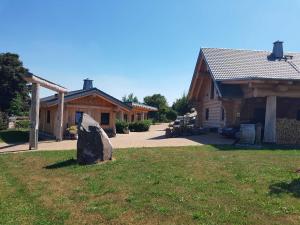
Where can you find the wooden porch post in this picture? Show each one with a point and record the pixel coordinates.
(270, 120)
(143, 116)
(34, 116)
(60, 115)
(121, 115)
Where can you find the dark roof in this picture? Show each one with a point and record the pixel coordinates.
(135, 104)
(232, 64)
(52, 100)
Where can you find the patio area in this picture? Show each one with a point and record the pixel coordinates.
(155, 137)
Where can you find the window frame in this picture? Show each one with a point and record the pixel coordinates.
(79, 120)
(107, 122)
(222, 114)
(206, 114)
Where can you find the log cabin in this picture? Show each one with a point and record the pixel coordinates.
(101, 106)
(231, 86)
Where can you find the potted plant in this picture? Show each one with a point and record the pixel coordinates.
(72, 132)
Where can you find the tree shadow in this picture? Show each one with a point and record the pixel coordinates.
(285, 187)
(240, 147)
(62, 164)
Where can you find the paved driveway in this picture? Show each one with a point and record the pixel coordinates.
(154, 138)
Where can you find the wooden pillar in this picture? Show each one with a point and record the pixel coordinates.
(270, 120)
(34, 116)
(60, 116)
(114, 122)
(121, 115)
(143, 116)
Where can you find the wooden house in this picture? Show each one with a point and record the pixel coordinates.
(98, 104)
(230, 87)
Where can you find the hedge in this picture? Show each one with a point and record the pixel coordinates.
(121, 127)
(140, 126)
(22, 124)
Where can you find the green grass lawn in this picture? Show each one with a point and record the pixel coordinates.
(188, 185)
(14, 136)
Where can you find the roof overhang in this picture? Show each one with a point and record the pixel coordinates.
(200, 60)
(92, 92)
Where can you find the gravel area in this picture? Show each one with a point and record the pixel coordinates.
(153, 138)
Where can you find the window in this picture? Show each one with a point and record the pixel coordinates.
(104, 118)
(212, 90)
(78, 117)
(126, 117)
(206, 114)
(132, 118)
(48, 116)
(222, 114)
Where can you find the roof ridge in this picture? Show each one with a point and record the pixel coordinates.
(238, 49)
(249, 50)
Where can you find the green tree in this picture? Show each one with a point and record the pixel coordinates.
(17, 107)
(159, 101)
(14, 91)
(130, 98)
(171, 114)
(181, 105)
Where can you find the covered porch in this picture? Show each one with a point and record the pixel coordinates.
(267, 103)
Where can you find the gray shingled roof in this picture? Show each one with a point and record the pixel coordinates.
(232, 64)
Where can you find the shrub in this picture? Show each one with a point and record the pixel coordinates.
(171, 114)
(140, 126)
(22, 124)
(3, 121)
(122, 127)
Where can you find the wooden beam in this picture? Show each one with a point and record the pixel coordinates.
(59, 119)
(259, 92)
(270, 120)
(44, 83)
(34, 116)
(104, 108)
(199, 87)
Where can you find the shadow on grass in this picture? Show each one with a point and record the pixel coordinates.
(62, 164)
(271, 147)
(14, 136)
(292, 187)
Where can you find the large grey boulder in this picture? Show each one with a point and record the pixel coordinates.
(93, 144)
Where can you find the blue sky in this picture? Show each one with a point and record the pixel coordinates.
(144, 47)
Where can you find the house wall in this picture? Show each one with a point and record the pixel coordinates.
(205, 100)
(253, 110)
(135, 112)
(92, 105)
(43, 124)
(232, 109)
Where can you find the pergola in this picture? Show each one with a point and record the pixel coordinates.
(37, 82)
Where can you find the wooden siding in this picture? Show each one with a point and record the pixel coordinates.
(215, 114)
(92, 105)
(205, 101)
(43, 125)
